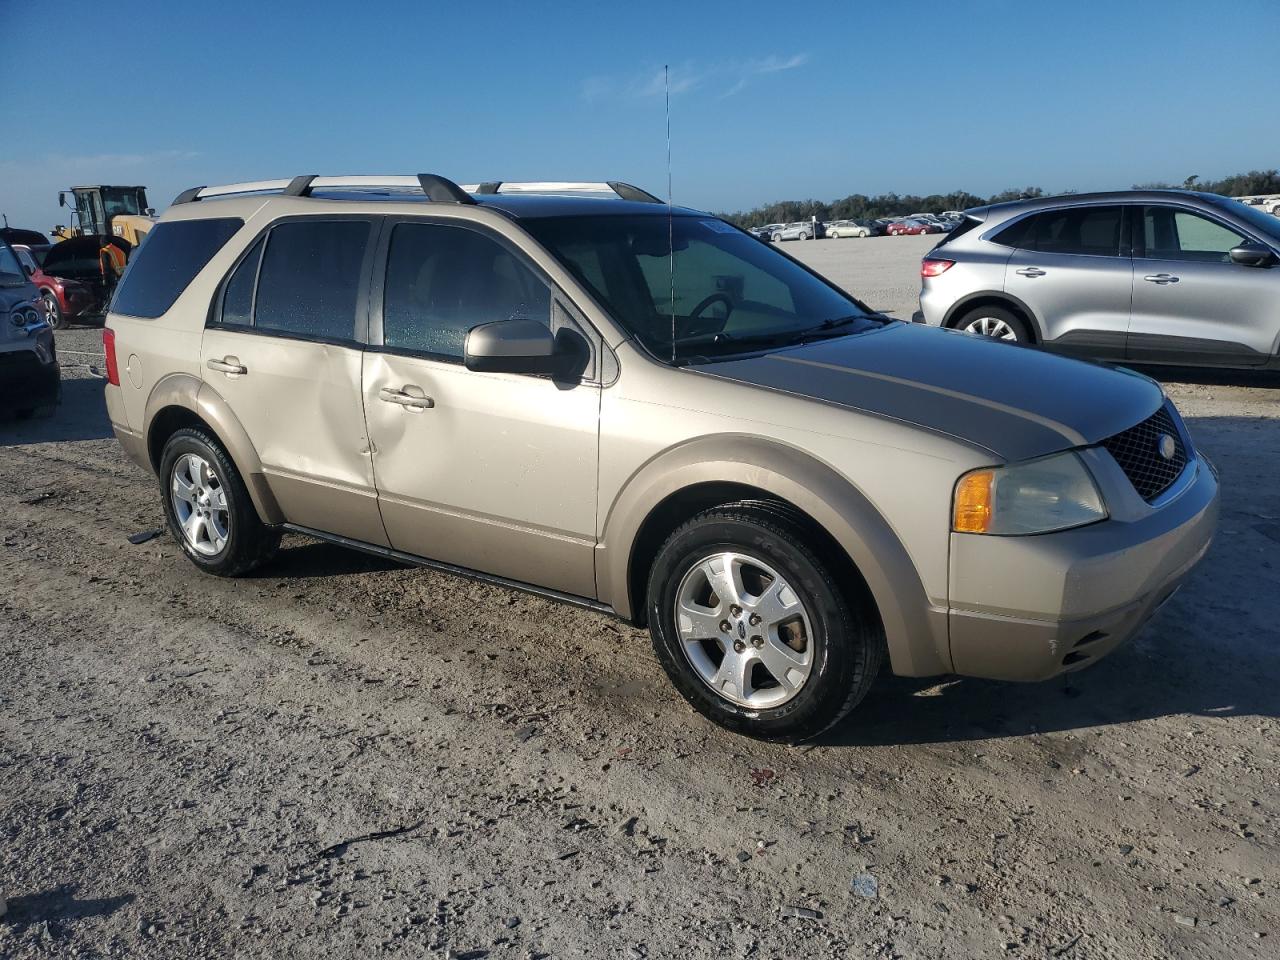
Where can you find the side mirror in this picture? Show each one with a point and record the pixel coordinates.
(1252, 254)
(513, 346)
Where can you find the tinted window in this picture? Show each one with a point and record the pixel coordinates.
(237, 298)
(1016, 234)
(168, 260)
(309, 281)
(11, 274)
(442, 281)
(1170, 234)
(1093, 231)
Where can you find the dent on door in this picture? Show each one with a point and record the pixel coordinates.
(494, 472)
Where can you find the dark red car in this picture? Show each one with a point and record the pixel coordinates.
(899, 227)
(70, 278)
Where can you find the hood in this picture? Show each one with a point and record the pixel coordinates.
(1015, 401)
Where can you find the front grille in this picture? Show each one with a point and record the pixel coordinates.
(1137, 450)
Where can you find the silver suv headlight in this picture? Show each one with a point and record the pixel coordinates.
(1054, 493)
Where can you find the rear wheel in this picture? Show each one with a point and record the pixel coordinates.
(53, 310)
(754, 629)
(998, 323)
(208, 509)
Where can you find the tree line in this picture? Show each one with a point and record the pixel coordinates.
(858, 206)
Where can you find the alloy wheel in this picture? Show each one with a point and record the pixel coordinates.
(992, 327)
(200, 504)
(744, 630)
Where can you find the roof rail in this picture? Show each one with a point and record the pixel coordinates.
(624, 191)
(435, 187)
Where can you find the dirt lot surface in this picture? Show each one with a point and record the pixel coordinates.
(342, 757)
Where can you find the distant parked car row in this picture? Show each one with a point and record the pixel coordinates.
(916, 223)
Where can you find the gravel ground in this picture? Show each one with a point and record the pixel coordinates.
(343, 757)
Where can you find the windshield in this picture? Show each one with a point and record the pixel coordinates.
(731, 293)
(1265, 223)
(11, 272)
(121, 200)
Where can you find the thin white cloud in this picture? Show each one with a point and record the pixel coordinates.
(100, 160)
(728, 78)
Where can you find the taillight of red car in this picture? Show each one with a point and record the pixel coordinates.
(109, 348)
(935, 266)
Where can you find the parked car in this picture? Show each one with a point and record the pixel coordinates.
(64, 299)
(803, 230)
(1156, 276)
(784, 485)
(30, 381)
(72, 282)
(849, 228)
(915, 227)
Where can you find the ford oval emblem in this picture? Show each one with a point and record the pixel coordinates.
(1167, 446)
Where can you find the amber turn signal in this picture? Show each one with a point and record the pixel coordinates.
(972, 512)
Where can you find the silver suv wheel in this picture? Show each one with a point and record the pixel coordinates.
(200, 504)
(990, 327)
(744, 630)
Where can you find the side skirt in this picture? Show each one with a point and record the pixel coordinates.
(572, 599)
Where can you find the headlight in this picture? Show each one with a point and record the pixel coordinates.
(1037, 497)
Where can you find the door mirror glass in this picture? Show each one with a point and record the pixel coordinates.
(513, 346)
(1252, 254)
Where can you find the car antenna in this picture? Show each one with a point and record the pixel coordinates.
(671, 230)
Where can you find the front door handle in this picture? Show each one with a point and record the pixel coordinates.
(1160, 278)
(1031, 272)
(412, 397)
(229, 365)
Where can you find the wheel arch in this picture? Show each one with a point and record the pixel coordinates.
(711, 471)
(996, 298)
(182, 400)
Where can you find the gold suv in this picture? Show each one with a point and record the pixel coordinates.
(579, 390)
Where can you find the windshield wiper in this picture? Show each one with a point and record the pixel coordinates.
(829, 328)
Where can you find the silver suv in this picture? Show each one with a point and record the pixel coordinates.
(1159, 276)
(577, 390)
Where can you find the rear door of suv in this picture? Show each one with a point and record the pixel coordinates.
(283, 347)
(1191, 303)
(489, 471)
(1072, 270)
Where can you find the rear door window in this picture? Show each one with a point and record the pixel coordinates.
(1172, 234)
(309, 279)
(168, 260)
(1088, 231)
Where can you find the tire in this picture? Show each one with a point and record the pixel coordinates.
(56, 318)
(803, 235)
(247, 542)
(841, 634)
(776, 238)
(1014, 329)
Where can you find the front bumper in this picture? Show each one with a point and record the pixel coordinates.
(29, 375)
(1028, 608)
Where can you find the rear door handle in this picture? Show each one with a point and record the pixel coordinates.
(229, 365)
(412, 396)
(1031, 272)
(1160, 278)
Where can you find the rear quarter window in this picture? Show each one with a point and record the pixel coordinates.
(168, 260)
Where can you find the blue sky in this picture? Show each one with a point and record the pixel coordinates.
(769, 100)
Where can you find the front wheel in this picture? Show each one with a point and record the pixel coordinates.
(53, 310)
(208, 508)
(753, 627)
